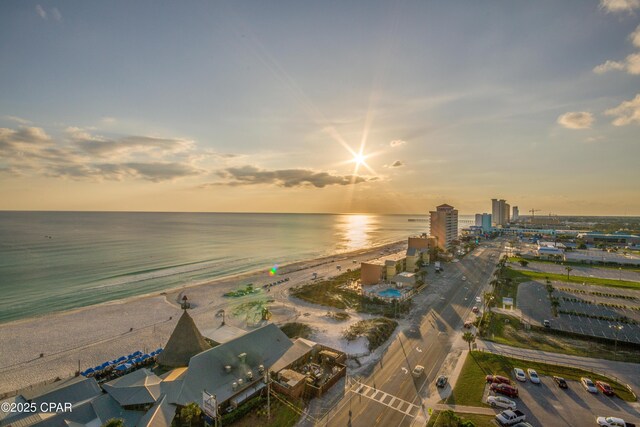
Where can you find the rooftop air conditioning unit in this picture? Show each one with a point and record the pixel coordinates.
(242, 357)
(234, 385)
(261, 369)
(240, 381)
(249, 376)
(227, 368)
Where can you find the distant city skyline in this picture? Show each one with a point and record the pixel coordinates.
(332, 107)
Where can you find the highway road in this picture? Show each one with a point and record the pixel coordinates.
(390, 395)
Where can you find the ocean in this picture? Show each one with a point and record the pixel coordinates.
(54, 261)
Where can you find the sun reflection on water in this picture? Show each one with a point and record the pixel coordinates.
(355, 231)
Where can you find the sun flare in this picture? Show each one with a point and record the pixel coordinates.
(358, 159)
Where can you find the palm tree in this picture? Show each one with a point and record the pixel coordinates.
(488, 298)
(469, 338)
(190, 412)
(569, 269)
(114, 422)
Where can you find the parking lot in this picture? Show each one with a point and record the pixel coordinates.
(545, 404)
(534, 303)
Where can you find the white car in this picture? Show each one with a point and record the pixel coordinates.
(519, 373)
(464, 278)
(611, 422)
(533, 376)
(478, 300)
(501, 402)
(588, 385)
(417, 371)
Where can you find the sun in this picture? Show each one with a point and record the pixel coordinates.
(358, 159)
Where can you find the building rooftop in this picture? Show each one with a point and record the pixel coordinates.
(185, 342)
(208, 370)
(137, 388)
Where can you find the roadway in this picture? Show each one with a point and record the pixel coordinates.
(427, 342)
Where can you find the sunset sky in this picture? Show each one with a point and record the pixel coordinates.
(260, 106)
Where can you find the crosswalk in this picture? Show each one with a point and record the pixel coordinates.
(386, 399)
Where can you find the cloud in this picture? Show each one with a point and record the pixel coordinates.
(41, 12)
(251, 175)
(626, 113)
(608, 66)
(397, 143)
(576, 120)
(17, 120)
(635, 37)
(109, 147)
(55, 13)
(397, 164)
(631, 65)
(108, 120)
(31, 151)
(614, 6)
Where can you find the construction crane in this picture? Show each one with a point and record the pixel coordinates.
(533, 213)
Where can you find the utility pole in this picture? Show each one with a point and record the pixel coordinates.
(268, 380)
(616, 330)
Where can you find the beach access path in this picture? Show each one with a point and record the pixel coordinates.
(38, 350)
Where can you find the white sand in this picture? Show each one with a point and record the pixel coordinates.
(98, 333)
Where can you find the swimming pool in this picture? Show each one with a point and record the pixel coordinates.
(390, 293)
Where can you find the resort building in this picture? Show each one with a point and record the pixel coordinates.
(444, 225)
(380, 270)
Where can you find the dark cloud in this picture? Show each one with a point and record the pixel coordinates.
(397, 164)
(251, 175)
(104, 147)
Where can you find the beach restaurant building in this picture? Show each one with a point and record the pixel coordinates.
(233, 372)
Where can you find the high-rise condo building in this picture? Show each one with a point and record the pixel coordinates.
(499, 212)
(516, 214)
(444, 225)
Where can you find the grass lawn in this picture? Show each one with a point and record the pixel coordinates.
(513, 333)
(444, 419)
(534, 275)
(470, 385)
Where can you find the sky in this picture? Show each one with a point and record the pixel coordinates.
(264, 106)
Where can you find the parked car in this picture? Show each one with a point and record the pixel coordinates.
(417, 371)
(464, 278)
(475, 309)
(441, 381)
(509, 417)
(605, 388)
(522, 424)
(588, 385)
(533, 376)
(560, 381)
(546, 323)
(501, 402)
(519, 373)
(468, 324)
(497, 379)
(478, 299)
(613, 422)
(505, 389)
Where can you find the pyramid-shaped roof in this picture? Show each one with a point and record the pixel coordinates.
(185, 342)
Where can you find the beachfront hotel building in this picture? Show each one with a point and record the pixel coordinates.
(483, 221)
(381, 270)
(444, 225)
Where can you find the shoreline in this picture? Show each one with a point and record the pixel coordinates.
(175, 289)
(89, 335)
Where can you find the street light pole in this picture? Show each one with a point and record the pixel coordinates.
(616, 328)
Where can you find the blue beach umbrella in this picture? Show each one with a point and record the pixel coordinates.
(121, 359)
(159, 350)
(137, 353)
(145, 357)
(121, 368)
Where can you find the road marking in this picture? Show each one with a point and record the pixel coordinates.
(379, 396)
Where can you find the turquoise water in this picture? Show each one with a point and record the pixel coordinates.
(390, 293)
(52, 261)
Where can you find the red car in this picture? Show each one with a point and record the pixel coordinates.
(605, 388)
(498, 379)
(505, 389)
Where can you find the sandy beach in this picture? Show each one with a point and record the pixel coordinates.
(91, 335)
